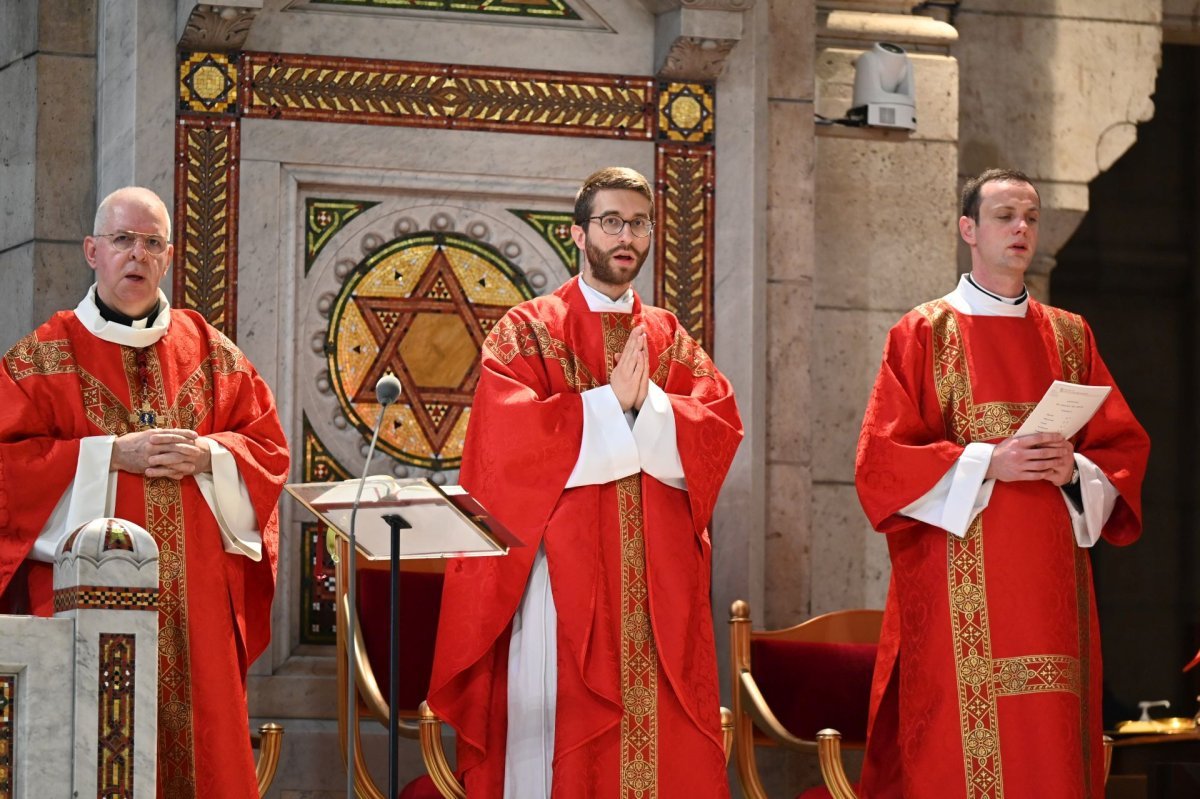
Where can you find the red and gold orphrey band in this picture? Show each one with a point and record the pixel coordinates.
(639, 656)
(164, 521)
(980, 678)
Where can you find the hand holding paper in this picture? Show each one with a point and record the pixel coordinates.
(1065, 408)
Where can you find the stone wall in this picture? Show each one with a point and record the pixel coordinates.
(47, 158)
(1066, 109)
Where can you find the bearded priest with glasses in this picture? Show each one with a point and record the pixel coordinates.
(127, 407)
(583, 664)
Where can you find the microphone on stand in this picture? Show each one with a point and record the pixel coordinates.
(387, 391)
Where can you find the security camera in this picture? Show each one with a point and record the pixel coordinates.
(883, 88)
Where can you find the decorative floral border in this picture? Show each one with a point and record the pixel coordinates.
(217, 90)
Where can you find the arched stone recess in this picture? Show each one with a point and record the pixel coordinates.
(1055, 90)
(459, 263)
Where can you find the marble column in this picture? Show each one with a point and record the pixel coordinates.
(135, 97)
(789, 315)
(47, 157)
(724, 41)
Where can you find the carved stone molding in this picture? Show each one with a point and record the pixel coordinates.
(859, 26)
(666, 6)
(693, 44)
(882, 6)
(220, 28)
(691, 58)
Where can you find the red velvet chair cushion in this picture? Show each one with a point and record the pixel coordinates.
(420, 601)
(811, 686)
(422, 787)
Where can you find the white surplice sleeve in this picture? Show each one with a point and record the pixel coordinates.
(93, 495)
(229, 500)
(1099, 496)
(608, 451)
(960, 495)
(654, 432)
(615, 445)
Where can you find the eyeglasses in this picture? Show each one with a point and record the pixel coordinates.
(613, 225)
(125, 240)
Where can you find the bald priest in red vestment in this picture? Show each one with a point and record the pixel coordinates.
(583, 664)
(127, 407)
(987, 683)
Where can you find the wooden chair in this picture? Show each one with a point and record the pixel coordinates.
(845, 640)
(806, 683)
(420, 600)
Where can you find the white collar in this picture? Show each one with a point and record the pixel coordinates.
(971, 300)
(89, 315)
(599, 302)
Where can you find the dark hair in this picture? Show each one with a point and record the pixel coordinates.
(613, 177)
(974, 187)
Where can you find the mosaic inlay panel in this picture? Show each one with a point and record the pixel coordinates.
(114, 764)
(8, 733)
(686, 112)
(555, 229)
(318, 616)
(683, 240)
(419, 308)
(206, 195)
(323, 219)
(281, 86)
(207, 82)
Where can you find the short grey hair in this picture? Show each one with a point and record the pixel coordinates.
(144, 195)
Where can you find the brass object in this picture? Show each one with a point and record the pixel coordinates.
(270, 737)
(1167, 726)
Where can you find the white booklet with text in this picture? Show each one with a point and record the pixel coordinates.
(1065, 408)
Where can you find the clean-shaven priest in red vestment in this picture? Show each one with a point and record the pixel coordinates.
(127, 407)
(987, 683)
(583, 664)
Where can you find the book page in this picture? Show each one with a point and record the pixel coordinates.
(1064, 409)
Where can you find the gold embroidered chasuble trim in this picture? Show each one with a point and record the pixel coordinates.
(510, 338)
(164, 520)
(982, 679)
(639, 655)
(1071, 343)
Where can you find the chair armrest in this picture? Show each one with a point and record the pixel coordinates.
(1108, 744)
(727, 732)
(270, 742)
(435, 756)
(364, 676)
(756, 706)
(829, 753)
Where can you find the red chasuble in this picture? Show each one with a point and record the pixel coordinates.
(638, 704)
(61, 384)
(987, 683)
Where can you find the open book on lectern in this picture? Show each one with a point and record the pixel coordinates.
(436, 521)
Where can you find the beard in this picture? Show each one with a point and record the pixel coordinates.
(605, 271)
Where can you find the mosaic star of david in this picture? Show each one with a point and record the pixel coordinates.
(420, 310)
